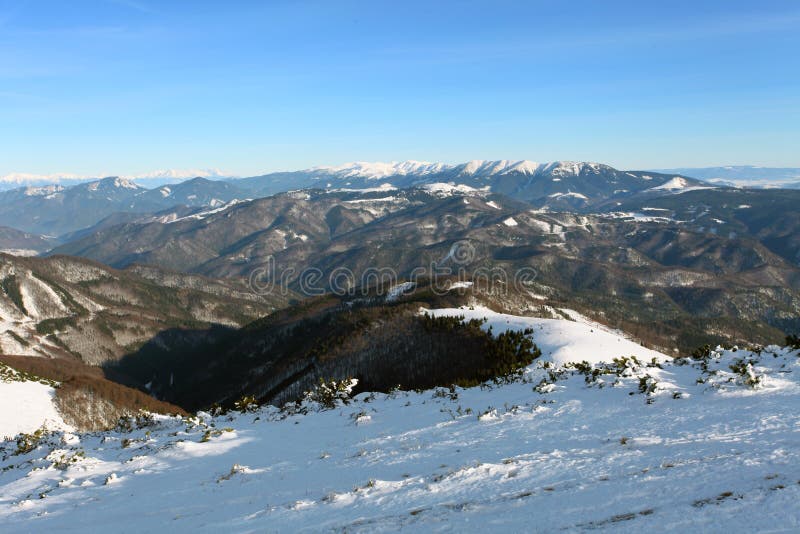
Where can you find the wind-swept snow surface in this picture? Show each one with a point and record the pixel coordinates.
(711, 445)
(26, 405)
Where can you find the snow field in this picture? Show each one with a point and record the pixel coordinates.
(635, 444)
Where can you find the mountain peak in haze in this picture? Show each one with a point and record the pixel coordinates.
(182, 174)
(153, 178)
(474, 168)
(364, 169)
(111, 183)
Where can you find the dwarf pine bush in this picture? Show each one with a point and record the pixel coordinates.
(247, 403)
(329, 392)
(28, 442)
(748, 376)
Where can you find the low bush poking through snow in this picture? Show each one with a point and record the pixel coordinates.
(28, 442)
(747, 375)
(329, 393)
(246, 403)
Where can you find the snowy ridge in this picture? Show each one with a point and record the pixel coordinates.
(678, 184)
(43, 191)
(633, 444)
(450, 188)
(561, 341)
(171, 175)
(678, 447)
(363, 169)
(173, 217)
(113, 182)
(474, 168)
(569, 195)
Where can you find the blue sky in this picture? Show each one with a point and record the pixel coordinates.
(128, 86)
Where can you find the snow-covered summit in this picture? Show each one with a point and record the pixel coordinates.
(450, 188)
(43, 191)
(474, 168)
(363, 169)
(675, 183)
(678, 184)
(113, 182)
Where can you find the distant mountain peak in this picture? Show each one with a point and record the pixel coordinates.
(476, 168)
(113, 182)
(364, 169)
(181, 174)
(23, 178)
(42, 191)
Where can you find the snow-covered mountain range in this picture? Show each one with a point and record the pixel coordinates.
(58, 209)
(479, 168)
(526, 177)
(151, 178)
(744, 175)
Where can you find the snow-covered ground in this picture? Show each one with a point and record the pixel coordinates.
(711, 445)
(562, 341)
(26, 405)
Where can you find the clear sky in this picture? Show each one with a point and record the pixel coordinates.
(128, 86)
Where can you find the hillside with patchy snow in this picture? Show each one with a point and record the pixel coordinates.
(633, 443)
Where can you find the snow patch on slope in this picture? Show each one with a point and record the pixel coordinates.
(446, 189)
(678, 184)
(26, 406)
(562, 341)
(569, 195)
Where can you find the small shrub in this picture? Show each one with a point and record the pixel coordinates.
(702, 353)
(66, 460)
(247, 403)
(329, 392)
(647, 385)
(28, 442)
(746, 373)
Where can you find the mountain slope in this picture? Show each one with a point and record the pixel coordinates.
(689, 445)
(69, 307)
(376, 335)
(771, 216)
(13, 241)
(66, 394)
(57, 210)
(241, 233)
(649, 265)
